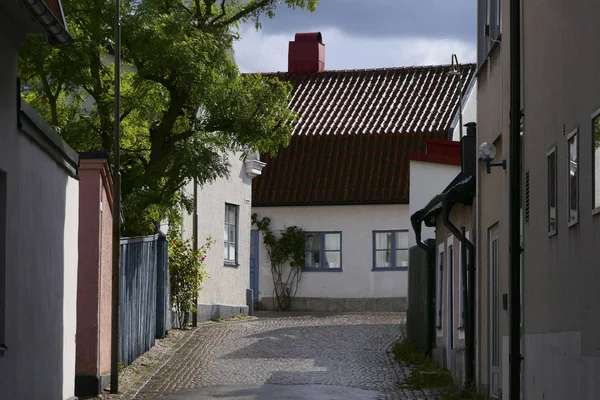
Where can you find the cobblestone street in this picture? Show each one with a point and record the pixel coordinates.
(287, 356)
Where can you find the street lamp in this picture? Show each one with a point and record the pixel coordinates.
(455, 71)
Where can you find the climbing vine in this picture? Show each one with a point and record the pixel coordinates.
(187, 269)
(286, 254)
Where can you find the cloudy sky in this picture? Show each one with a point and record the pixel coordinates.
(367, 34)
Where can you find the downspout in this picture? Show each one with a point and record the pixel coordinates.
(466, 289)
(514, 205)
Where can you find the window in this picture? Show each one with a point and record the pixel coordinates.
(573, 177)
(2, 261)
(552, 191)
(231, 234)
(440, 288)
(323, 251)
(596, 159)
(390, 249)
(489, 26)
(462, 249)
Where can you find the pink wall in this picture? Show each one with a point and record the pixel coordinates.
(94, 274)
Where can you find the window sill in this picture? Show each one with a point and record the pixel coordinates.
(322, 269)
(231, 264)
(596, 211)
(552, 233)
(573, 223)
(3, 349)
(390, 269)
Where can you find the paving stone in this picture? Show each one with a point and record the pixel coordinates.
(348, 350)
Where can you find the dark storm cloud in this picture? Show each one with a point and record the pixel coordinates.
(450, 19)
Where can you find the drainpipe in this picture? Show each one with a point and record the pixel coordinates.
(514, 188)
(467, 288)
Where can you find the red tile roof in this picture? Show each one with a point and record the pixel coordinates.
(340, 169)
(387, 100)
(54, 6)
(355, 134)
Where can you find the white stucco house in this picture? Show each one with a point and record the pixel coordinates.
(346, 176)
(39, 198)
(223, 213)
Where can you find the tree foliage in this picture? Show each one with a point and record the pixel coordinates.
(185, 106)
(286, 254)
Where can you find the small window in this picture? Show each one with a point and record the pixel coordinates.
(230, 242)
(440, 289)
(3, 198)
(573, 177)
(323, 251)
(390, 249)
(552, 194)
(596, 158)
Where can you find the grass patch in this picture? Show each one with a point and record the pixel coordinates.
(425, 374)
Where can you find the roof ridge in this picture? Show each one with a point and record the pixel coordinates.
(377, 69)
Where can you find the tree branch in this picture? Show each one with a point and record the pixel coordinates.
(241, 14)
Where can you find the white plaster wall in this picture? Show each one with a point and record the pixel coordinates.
(225, 285)
(357, 223)
(71, 235)
(469, 112)
(426, 181)
(41, 254)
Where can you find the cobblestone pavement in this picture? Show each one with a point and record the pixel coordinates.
(287, 356)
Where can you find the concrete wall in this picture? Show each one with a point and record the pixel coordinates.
(426, 181)
(561, 84)
(357, 280)
(95, 276)
(461, 216)
(492, 190)
(226, 285)
(39, 263)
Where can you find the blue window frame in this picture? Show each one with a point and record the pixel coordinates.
(390, 250)
(323, 251)
(230, 238)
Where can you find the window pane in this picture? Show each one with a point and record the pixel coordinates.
(383, 258)
(334, 259)
(226, 233)
(313, 242)
(573, 174)
(225, 251)
(231, 215)
(332, 241)
(232, 252)
(232, 234)
(401, 258)
(383, 240)
(402, 240)
(596, 154)
(312, 259)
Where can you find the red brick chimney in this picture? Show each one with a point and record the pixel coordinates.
(307, 53)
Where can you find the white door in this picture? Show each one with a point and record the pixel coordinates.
(494, 304)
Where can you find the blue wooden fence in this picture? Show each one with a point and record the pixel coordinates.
(144, 305)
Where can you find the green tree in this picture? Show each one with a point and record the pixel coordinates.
(185, 106)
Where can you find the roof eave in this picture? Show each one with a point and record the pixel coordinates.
(56, 30)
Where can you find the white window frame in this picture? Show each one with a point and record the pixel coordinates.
(3, 238)
(228, 260)
(595, 171)
(439, 296)
(554, 193)
(573, 218)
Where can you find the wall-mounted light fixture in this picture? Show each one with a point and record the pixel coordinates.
(487, 152)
